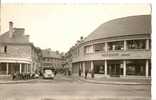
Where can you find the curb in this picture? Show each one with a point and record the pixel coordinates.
(81, 79)
(17, 82)
(114, 83)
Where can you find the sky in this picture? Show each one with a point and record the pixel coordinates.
(59, 26)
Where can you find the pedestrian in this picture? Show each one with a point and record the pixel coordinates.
(55, 72)
(79, 72)
(13, 76)
(86, 72)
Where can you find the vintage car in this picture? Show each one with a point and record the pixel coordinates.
(48, 73)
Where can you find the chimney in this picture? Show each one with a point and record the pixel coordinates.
(10, 29)
(81, 38)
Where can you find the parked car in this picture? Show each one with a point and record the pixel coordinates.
(48, 73)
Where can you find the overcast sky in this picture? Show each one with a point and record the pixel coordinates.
(59, 26)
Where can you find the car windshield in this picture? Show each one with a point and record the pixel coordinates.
(48, 71)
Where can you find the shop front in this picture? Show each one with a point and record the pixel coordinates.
(136, 68)
(9, 68)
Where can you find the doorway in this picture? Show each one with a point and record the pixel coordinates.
(114, 70)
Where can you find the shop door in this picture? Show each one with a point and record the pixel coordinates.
(115, 70)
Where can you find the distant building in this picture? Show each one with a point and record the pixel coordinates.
(68, 61)
(51, 59)
(117, 48)
(17, 54)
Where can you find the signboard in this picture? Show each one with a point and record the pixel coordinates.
(115, 54)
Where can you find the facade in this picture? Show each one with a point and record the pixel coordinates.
(17, 54)
(51, 59)
(117, 48)
(68, 61)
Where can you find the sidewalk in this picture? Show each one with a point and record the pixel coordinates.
(118, 81)
(15, 81)
(101, 80)
(112, 80)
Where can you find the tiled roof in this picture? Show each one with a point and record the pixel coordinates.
(18, 37)
(131, 25)
(51, 54)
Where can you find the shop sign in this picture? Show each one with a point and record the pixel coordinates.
(115, 54)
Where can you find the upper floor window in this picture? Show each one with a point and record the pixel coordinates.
(136, 44)
(150, 44)
(117, 45)
(99, 47)
(5, 49)
(89, 49)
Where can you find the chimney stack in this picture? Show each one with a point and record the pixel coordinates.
(10, 29)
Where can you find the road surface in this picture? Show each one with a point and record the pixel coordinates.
(66, 89)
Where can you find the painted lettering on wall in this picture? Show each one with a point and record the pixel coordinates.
(115, 54)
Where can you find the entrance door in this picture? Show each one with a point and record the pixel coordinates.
(114, 70)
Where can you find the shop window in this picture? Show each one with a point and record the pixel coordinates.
(118, 45)
(89, 49)
(135, 68)
(136, 44)
(99, 47)
(99, 69)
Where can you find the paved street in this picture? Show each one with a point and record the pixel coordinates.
(69, 89)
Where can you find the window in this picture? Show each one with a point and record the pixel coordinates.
(89, 49)
(99, 47)
(150, 44)
(136, 44)
(135, 67)
(117, 45)
(5, 49)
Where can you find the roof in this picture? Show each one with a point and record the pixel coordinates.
(131, 25)
(50, 54)
(18, 37)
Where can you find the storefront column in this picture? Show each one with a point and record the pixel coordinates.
(125, 45)
(83, 64)
(80, 70)
(124, 68)
(106, 68)
(106, 46)
(92, 69)
(20, 69)
(147, 44)
(147, 67)
(31, 66)
(7, 68)
(25, 65)
(26, 68)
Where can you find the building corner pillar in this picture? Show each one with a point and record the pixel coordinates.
(124, 68)
(125, 45)
(147, 68)
(7, 68)
(20, 69)
(106, 68)
(147, 44)
(92, 69)
(106, 46)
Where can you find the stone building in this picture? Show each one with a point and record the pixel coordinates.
(17, 54)
(117, 48)
(52, 59)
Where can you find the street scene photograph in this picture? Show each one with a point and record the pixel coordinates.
(75, 51)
